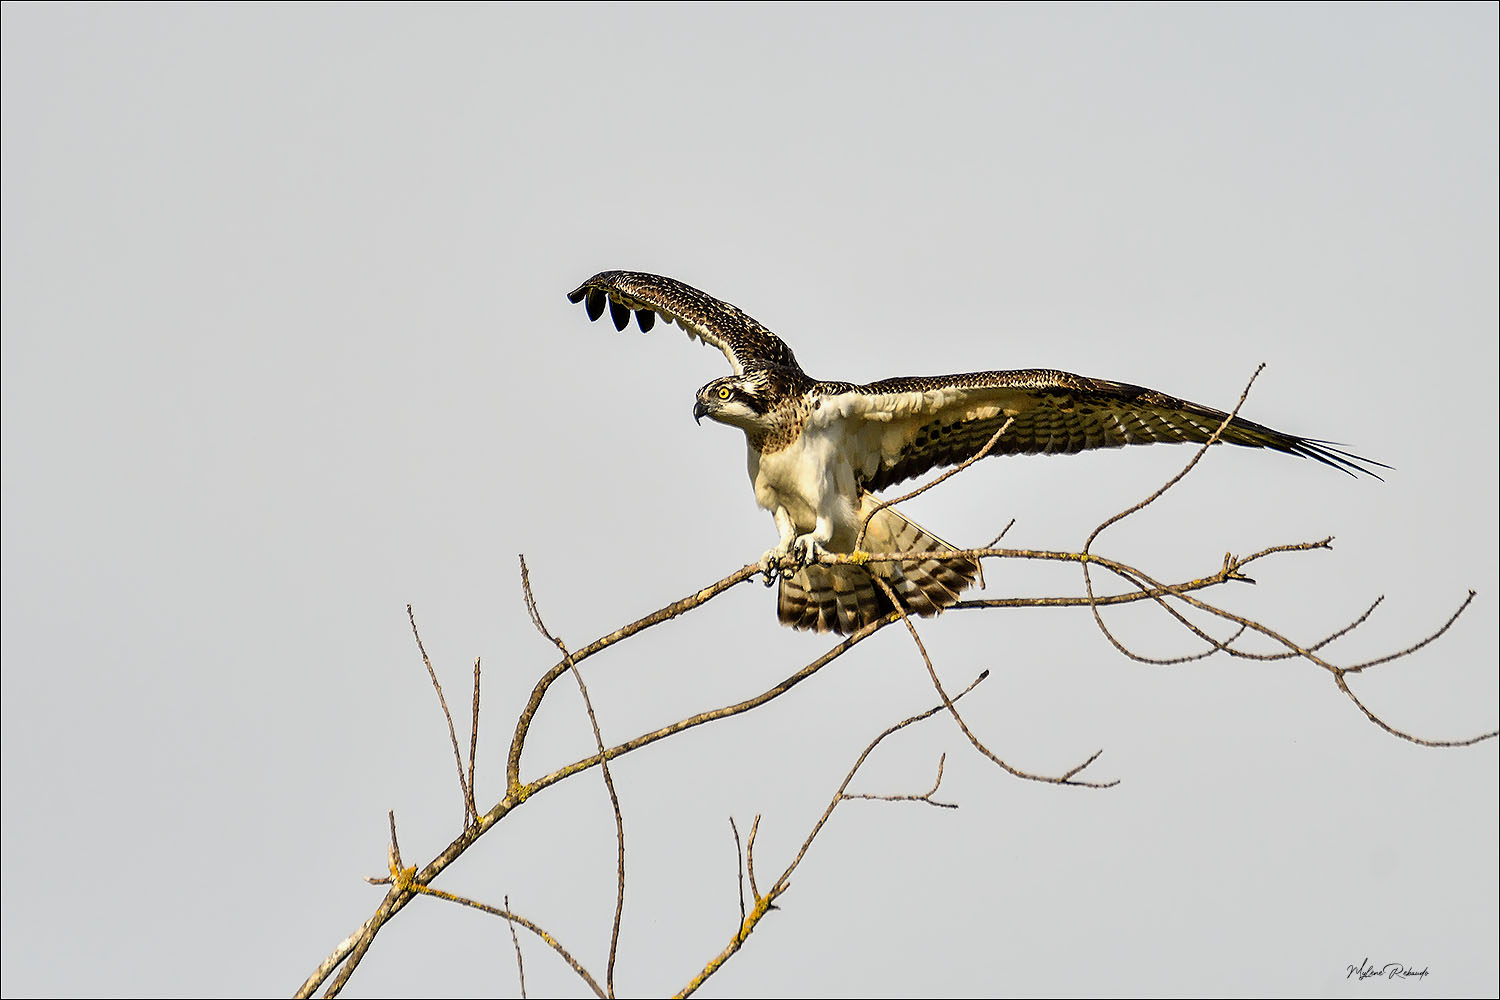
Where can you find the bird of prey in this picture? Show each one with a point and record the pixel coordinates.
(818, 451)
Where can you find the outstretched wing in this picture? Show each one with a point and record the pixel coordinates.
(719, 324)
(903, 427)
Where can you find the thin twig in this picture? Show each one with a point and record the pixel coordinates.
(926, 796)
(1213, 439)
(474, 751)
(471, 813)
(1339, 673)
(1003, 532)
(1327, 640)
(1159, 594)
(396, 872)
(405, 880)
(1088, 582)
(1339, 678)
(877, 506)
(838, 796)
(514, 918)
(609, 781)
(523, 723)
(1065, 779)
(764, 904)
(1307, 653)
(703, 718)
(739, 866)
(750, 856)
(516, 941)
(1355, 668)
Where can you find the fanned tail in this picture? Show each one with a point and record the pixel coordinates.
(845, 598)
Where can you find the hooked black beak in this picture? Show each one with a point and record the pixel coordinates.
(699, 412)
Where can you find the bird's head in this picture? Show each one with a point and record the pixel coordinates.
(738, 400)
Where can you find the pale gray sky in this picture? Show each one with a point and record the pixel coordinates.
(285, 348)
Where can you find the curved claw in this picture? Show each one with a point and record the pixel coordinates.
(806, 550)
(770, 566)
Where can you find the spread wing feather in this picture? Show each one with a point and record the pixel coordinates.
(907, 426)
(713, 321)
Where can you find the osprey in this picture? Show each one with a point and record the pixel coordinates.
(818, 451)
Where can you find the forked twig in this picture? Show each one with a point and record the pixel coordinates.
(1325, 641)
(1202, 450)
(1066, 778)
(1088, 582)
(764, 904)
(406, 880)
(925, 797)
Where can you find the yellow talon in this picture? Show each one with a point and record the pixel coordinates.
(859, 558)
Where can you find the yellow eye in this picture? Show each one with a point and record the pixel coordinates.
(724, 392)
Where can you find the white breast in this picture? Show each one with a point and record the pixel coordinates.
(810, 478)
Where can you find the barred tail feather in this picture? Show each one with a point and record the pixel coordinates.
(845, 598)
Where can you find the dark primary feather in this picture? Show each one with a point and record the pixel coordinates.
(620, 313)
(593, 304)
(727, 327)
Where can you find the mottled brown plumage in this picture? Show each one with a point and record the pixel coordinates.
(817, 449)
(720, 324)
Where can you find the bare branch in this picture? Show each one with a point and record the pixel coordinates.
(764, 904)
(1003, 532)
(1357, 667)
(1230, 571)
(1356, 623)
(609, 781)
(340, 952)
(739, 866)
(474, 743)
(1339, 672)
(523, 724)
(750, 856)
(1160, 592)
(1202, 450)
(520, 965)
(471, 813)
(404, 880)
(1088, 582)
(926, 796)
(1339, 634)
(1339, 678)
(1064, 779)
(838, 796)
(396, 899)
(703, 718)
(515, 918)
(347, 955)
(878, 505)
(405, 884)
